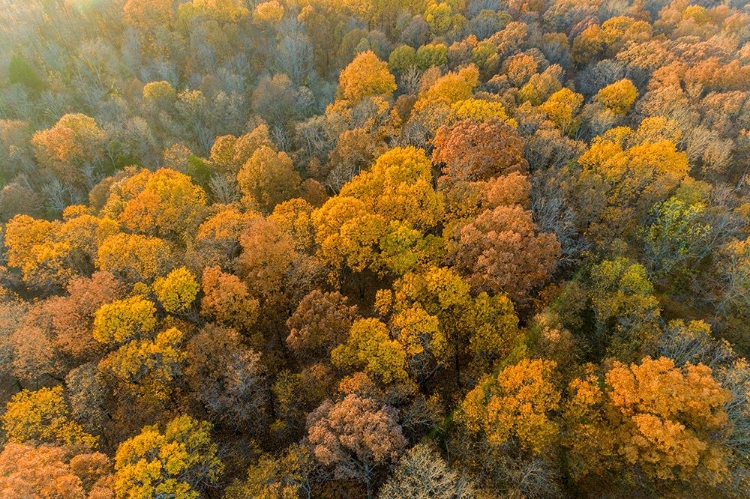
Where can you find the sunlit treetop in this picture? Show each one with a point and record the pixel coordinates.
(366, 76)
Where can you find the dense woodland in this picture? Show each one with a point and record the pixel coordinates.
(385, 249)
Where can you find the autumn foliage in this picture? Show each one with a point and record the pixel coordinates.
(449, 249)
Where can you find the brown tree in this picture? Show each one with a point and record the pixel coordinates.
(320, 323)
(503, 251)
(228, 378)
(355, 437)
(470, 151)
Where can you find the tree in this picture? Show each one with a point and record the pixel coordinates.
(295, 218)
(402, 58)
(355, 437)
(320, 323)
(73, 315)
(483, 327)
(370, 348)
(422, 473)
(34, 356)
(133, 257)
(218, 238)
(619, 96)
(398, 187)
(86, 393)
(267, 254)
(366, 76)
(542, 86)
(561, 108)
(676, 241)
(75, 142)
(519, 68)
(124, 320)
(623, 179)
(176, 462)
(665, 421)
(148, 15)
(470, 151)
(165, 204)
(442, 17)
(229, 153)
(177, 291)
(288, 476)
(515, 404)
(36, 248)
(480, 110)
(43, 416)
(425, 345)
(432, 55)
(146, 367)
(275, 99)
(227, 377)
(380, 219)
(227, 299)
(20, 71)
(160, 93)
(503, 251)
(267, 179)
(46, 471)
(625, 308)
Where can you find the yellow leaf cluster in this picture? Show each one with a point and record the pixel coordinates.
(516, 403)
(177, 291)
(124, 320)
(366, 76)
(666, 420)
(43, 416)
(134, 257)
(156, 464)
(371, 348)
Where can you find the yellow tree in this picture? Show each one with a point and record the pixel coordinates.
(562, 109)
(177, 291)
(517, 403)
(434, 103)
(366, 76)
(43, 416)
(619, 96)
(134, 257)
(625, 308)
(124, 320)
(370, 347)
(148, 14)
(50, 253)
(380, 219)
(267, 179)
(622, 179)
(165, 203)
(146, 367)
(284, 477)
(172, 463)
(482, 327)
(75, 141)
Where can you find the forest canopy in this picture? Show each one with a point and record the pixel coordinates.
(374, 249)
